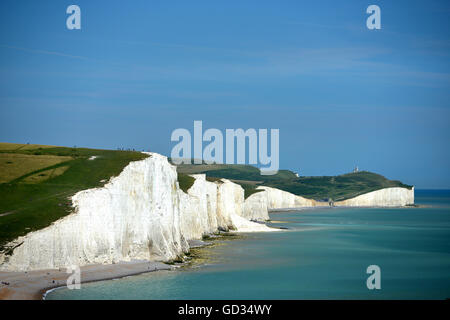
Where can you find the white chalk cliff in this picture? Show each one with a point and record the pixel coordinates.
(279, 199)
(140, 214)
(388, 197)
(256, 207)
(143, 214)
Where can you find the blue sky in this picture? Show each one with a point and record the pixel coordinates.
(339, 93)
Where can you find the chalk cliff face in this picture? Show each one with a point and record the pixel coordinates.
(388, 197)
(198, 209)
(140, 214)
(135, 215)
(279, 199)
(256, 207)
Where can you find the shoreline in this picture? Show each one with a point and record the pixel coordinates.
(283, 210)
(34, 285)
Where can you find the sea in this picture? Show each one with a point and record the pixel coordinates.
(322, 254)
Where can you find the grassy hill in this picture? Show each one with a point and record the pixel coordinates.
(319, 188)
(234, 171)
(337, 187)
(37, 181)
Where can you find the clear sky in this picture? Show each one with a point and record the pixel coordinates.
(341, 95)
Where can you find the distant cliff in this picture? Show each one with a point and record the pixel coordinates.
(279, 199)
(388, 197)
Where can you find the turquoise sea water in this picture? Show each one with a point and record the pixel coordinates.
(323, 255)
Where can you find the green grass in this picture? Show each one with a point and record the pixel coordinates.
(249, 189)
(213, 179)
(33, 206)
(185, 181)
(246, 172)
(15, 165)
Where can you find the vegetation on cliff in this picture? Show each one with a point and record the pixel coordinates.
(37, 182)
(185, 181)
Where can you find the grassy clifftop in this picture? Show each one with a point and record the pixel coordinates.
(320, 188)
(36, 182)
(234, 172)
